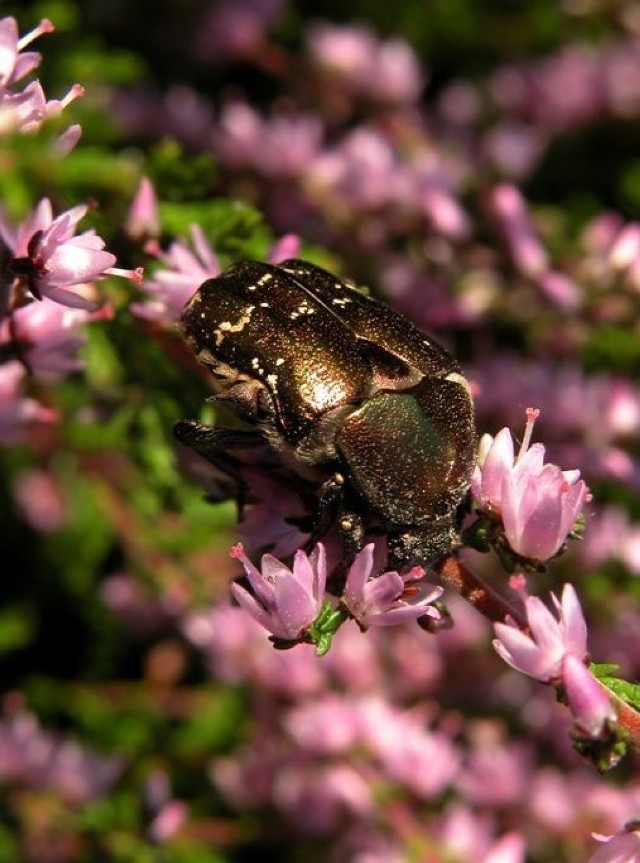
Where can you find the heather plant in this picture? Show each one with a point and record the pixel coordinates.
(173, 694)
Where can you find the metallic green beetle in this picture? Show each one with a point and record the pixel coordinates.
(352, 398)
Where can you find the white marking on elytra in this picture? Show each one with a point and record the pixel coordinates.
(264, 305)
(272, 380)
(255, 364)
(228, 327)
(341, 301)
(279, 361)
(264, 279)
(304, 309)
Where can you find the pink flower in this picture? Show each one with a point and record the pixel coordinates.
(267, 522)
(168, 821)
(17, 411)
(285, 602)
(538, 503)
(509, 849)
(540, 509)
(280, 147)
(288, 246)
(386, 70)
(589, 703)
(622, 847)
(419, 758)
(47, 336)
(542, 653)
(509, 209)
(168, 813)
(184, 270)
(319, 798)
(324, 726)
(40, 500)
(229, 29)
(383, 600)
(26, 111)
(555, 652)
(35, 758)
(445, 213)
(49, 259)
(143, 219)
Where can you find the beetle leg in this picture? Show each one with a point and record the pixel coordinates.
(330, 509)
(202, 437)
(352, 534)
(329, 505)
(212, 444)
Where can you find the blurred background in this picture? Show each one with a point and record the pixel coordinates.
(476, 165)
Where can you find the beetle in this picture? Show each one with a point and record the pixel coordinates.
(347, 393)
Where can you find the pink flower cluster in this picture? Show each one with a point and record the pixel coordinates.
(48, 263)
(44, 258)
(25, 110)
(385, 70)
(34, 758)
(327, 744)
(288, 602)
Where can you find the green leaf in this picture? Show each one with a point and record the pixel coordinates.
(212, 728)
(612, 348)
(16, 628)
(628, 692)
(601, 670)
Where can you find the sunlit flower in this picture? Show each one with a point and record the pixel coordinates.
(285, 601)
(25, 110)
(538, 503)
(14, 64)
(555, 652)
(184, 270)
(552, 638)
(52, 261)
(387, 599)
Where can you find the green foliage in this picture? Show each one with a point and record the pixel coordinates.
(624, 689)
(615, 349)
(16, 627)
(180, 177)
